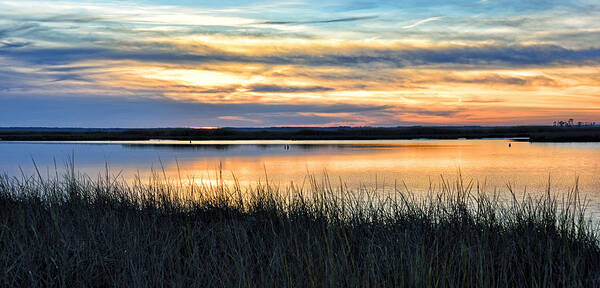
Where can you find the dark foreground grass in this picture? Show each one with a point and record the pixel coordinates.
(72, 231)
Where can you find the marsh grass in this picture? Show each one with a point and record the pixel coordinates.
(72, 230)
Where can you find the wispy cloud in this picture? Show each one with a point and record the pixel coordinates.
(348, 19)
(241, 119)
(288, 89)
(496, 55)
(421, 22)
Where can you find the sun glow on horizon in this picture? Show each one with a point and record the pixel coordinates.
(204, 127)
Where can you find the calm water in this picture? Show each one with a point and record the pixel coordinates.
(416, 162)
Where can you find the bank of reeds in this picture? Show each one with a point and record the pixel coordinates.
(74, 231)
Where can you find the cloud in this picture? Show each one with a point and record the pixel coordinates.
(489, 80)
(574, 37)
(13, 44)
(484, 55)
(12, 28)
(482, 101)
(288, 89)
(282, 63)
(505, 80)
(240, 119)
(67, 18)
(98, 111)
(70, 77)
(348, 19)
(441, 112)
(421, 22)
(72, 68)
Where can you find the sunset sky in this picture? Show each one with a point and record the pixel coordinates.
(298, 63)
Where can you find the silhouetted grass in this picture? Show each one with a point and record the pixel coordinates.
(74, 231)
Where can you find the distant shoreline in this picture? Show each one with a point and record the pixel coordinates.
(531, 133)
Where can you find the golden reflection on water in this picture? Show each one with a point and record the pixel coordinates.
(416, 163)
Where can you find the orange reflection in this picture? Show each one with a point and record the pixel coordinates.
(417, 163)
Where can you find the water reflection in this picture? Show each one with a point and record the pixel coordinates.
(179, 146)
(415, 162)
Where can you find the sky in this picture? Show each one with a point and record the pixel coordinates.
(235, 63)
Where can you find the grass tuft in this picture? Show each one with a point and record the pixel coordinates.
(72, 230)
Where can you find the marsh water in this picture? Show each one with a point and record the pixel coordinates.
(416, 164)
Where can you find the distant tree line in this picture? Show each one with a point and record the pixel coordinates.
(571, 123)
